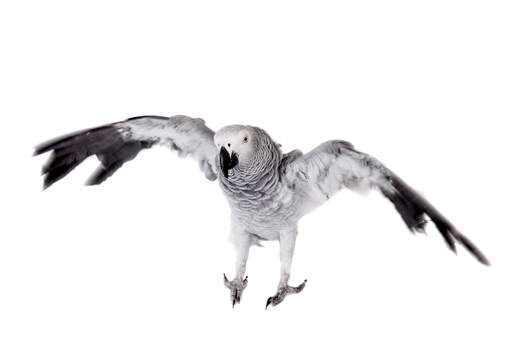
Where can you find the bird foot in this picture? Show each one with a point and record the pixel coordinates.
(236, 286)
(283, 291)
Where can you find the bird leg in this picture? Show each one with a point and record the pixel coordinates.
(239, 283)
(287, 245)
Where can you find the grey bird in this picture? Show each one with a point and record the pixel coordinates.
(268, 191)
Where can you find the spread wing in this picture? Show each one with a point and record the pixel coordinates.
(333, 165)
(116, 143)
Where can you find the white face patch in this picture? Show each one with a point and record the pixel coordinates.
(236, 139)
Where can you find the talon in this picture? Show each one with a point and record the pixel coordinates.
(236, 287)
(268, 302)
(226, 282)
(301, 286)
(284, 291)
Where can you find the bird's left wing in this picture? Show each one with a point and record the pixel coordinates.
(333, 165)
(116, 143)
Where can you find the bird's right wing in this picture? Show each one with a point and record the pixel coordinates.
(116, 143)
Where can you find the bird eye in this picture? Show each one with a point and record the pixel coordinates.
(246, 139)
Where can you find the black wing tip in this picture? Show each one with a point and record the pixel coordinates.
(102, 173)
(44, 147)
(47, 182)
(413, 208)
(478, 255)
(450, 235)
(483, 260)
(70, 150)
(473, 250)
(36, 151)
(89, 182)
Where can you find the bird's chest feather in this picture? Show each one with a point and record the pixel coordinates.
(262, 212)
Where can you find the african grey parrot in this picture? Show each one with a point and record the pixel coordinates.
(268, 191)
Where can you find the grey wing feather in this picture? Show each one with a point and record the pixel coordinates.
(287, 159)
(333, 165)
(116, 143)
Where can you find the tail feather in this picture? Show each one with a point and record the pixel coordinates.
(413, 208)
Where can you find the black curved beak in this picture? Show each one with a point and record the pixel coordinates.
(227, 161)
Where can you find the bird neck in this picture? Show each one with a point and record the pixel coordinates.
(257, 179)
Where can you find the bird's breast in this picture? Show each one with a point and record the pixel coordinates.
(264, 214)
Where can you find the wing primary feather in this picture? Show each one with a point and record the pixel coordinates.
(71, 150)
(412, 207)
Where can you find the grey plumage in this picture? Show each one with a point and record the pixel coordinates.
(268, 191)
(117, 143)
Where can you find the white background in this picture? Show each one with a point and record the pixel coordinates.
(423, 86)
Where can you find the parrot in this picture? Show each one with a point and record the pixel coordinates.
(268, 191)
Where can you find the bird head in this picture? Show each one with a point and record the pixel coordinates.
(242, 147)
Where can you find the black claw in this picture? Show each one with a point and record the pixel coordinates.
(233, 303)
(300, 287)
(268, 302)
